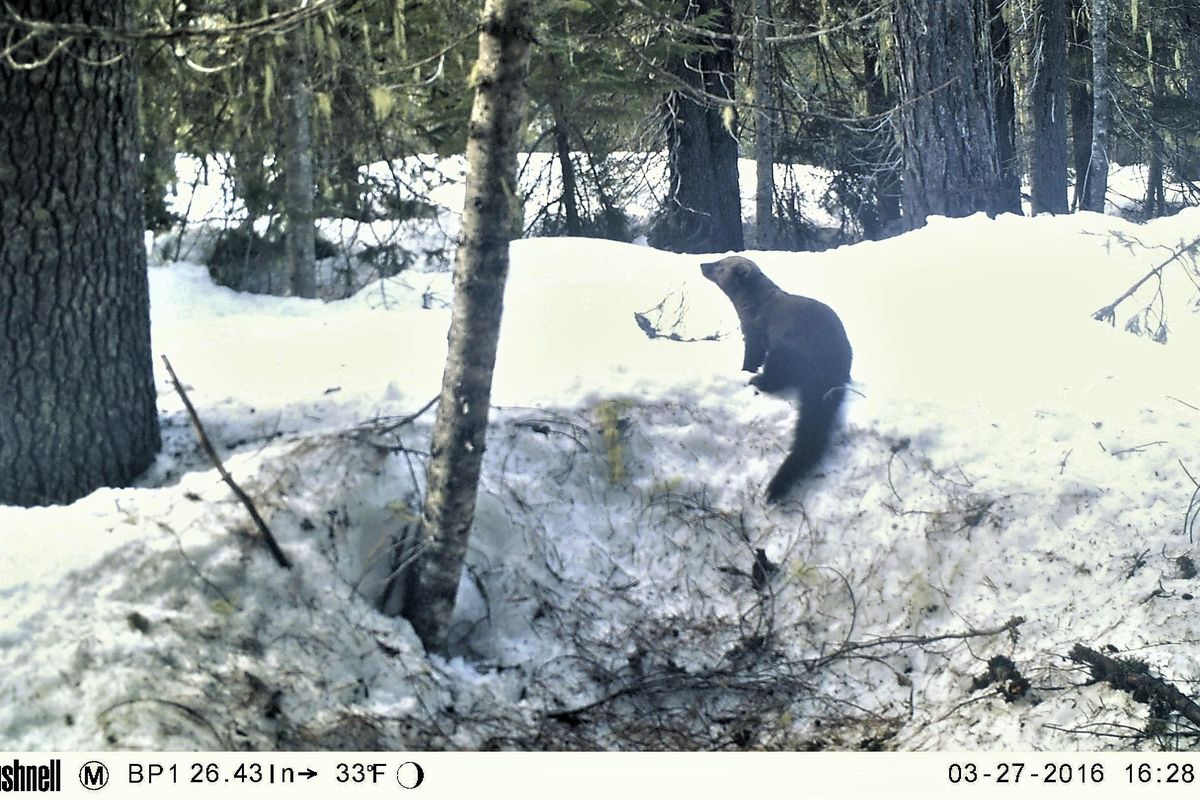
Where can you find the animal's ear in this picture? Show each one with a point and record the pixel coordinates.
(742, 269)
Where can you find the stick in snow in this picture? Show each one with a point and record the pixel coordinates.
(211, 452)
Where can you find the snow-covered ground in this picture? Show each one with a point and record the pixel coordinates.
(1003, 455)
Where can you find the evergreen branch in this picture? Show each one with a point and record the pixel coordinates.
(1135, 677)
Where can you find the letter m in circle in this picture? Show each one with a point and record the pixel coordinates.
(93, 775)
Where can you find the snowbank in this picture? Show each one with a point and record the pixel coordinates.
(1003, 455)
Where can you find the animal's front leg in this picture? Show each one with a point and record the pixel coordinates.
(756, 352)
(777, 374)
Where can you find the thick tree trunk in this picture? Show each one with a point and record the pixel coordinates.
(1079, 64)
(77, 395)
(300, 182)
(480, 271)
(1097, 177)
(702, 212)
(1048, 107)
(764, 129)
(951, 165)
(1004, 98)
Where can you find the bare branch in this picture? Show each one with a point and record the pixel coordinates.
(210, 451)
(1108, 313)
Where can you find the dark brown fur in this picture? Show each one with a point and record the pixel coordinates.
(803, 350)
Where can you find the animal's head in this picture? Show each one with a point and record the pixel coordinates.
(732, 272)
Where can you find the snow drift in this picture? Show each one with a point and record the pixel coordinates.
(1004, 457)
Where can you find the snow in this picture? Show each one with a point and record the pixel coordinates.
(1002, 454)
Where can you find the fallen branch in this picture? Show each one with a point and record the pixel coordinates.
(400, 423)
(211, 452)
(850, 647)
(1134, 677)
(1108, 313)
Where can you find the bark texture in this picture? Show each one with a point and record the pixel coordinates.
(764, 128)
(1005, 109)
(951, 167)
(1048, 108)
(299, 179)
(77, 394)
(1079, 65)
(481, 267)
(702, 212)
(562, 146)
(1097, 173)
(881, 217)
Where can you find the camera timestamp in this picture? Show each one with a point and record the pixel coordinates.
(1022, 772)
(1066, 772)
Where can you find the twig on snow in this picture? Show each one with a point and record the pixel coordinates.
(210, 451)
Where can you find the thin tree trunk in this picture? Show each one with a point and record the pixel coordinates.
(1079, 65)
(77, 397)
(1048, 107)
(1155, 201)
(883, 217)
(300, 183)
(1191, 53)
(1004, 99)
(1097, 177)
(562, 144)
(480, 272)
(570, 190)
(764, 128)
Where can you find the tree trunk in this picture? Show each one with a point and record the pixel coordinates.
(1097, 175)
(570, 187)
(77, 394)
(1048, 107)
(562, 144)
(1191, 53)
(1186, 163)
(764, 129)
(1005, 105)
(702, 212)
(882, 218)
(951, 166)
(300, 183)
(1155, 201)
(480, 271)
(1079, 64)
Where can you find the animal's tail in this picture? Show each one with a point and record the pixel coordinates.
(818, 409)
